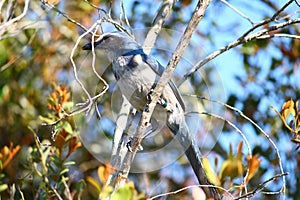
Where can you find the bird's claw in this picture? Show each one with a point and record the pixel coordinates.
(129, 145)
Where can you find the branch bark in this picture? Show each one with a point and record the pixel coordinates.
(119, 148)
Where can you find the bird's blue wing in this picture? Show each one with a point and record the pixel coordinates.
(159, 69)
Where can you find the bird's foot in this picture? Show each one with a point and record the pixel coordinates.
(129, 145)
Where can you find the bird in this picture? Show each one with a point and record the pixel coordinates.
(137, 74)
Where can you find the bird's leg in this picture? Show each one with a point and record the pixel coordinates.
(161, 101)
(149, 98)
(129, 144)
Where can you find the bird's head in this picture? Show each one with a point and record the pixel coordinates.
(115, 44)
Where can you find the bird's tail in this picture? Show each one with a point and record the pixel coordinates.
(193, 154)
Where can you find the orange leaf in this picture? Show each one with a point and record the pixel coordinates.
(104, 171)
(253, 165)
(73, 145)
(7, 154)
(288, 108)
(60, 140)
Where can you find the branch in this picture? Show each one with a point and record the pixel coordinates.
(261, 186)
(258, 35)
(162, 14)
(273, 18)
(119, 149)
(188, 187)
(8, 23)
(64, 15)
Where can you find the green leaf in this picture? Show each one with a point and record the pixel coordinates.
(80, 185)
(3, 187)
(67, 127)
(69, 163)
(66, 170)
(211, 175)
(124, 193)
(46, 119)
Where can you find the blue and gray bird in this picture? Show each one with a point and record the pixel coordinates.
(137, 74)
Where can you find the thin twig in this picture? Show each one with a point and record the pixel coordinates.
(243, 185)
(267, 20)
(237, 11)
(261, 186)
(188, 187)
(235, 43)
(125, 16)
(297, 37)
(3, 26)
(96, 7)
(261, 130)
(67, 191)
(65, 15)
(106, 86)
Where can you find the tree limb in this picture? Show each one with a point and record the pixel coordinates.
(241, 40)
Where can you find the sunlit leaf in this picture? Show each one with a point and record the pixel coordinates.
(94, 183)
(124, 193)
(287, 109)
(253, 165)
(104, 171)
(211, 174)
(233, 166)
(3, 187)
(67, 127)
(66, 170)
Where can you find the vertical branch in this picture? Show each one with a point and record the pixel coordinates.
(163, 12)
(119, 148)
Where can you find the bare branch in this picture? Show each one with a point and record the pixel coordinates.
(243, 184)
(235, 43)
(273, 18)
(96, 7)
(297, 37)
(123, 12)
(261, 186)
(162, 14)
(65, 15)
(8, 23)
(188, 187)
